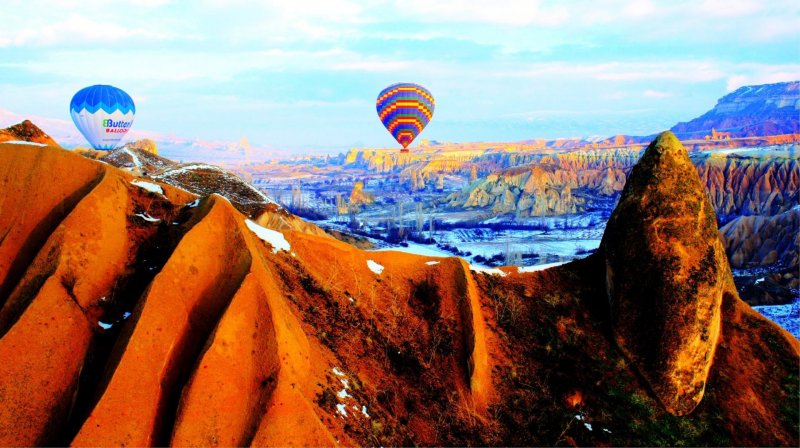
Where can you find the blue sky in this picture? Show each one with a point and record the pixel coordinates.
(303, 75)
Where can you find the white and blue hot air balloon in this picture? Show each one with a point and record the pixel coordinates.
(103, 114)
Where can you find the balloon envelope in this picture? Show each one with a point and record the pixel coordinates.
(103, 114)
(405, 109)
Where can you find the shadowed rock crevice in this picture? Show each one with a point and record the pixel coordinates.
(177, 319)
(122, 310)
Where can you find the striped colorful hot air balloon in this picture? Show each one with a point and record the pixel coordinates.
(405, 109)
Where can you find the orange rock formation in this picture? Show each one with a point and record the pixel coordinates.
(132, 314)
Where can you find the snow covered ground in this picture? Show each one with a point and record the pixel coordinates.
(549, 246)
(539, 267)
(427, 250)
(787, 316)
(785, 150)
(556, 244)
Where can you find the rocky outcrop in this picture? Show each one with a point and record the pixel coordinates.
(136, 158)
(360, 197)
(772, 242)
(766, 182)
(380, 161)
(26, 132)
(172, 322)
(666, 275)
(140, 314)
(203, 180)
(66, 248)
(145, 145)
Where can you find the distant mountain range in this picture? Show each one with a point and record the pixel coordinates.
(750, 111)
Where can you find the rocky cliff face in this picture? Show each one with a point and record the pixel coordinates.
(768, 109)
(179, 321)
(380, 161)
(548, 186)
(763, 240)
(765, 183)
(135, 315)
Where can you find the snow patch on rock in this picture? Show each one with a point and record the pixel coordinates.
(488, 271)
(274, 238)
(22, 142)
(375, 267)
(149, 186)
(147, 217)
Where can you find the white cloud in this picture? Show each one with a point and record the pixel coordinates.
(770, 29)
(673, 70)
(72, 29)
(180, 66)
(237, 103)
(657, 94)
(678, 71)
(510, 12)
(728, 8)
(281, 21)
(752, 74)
(514, 25)
(668, 70)
(372, 65)
(642, 8)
